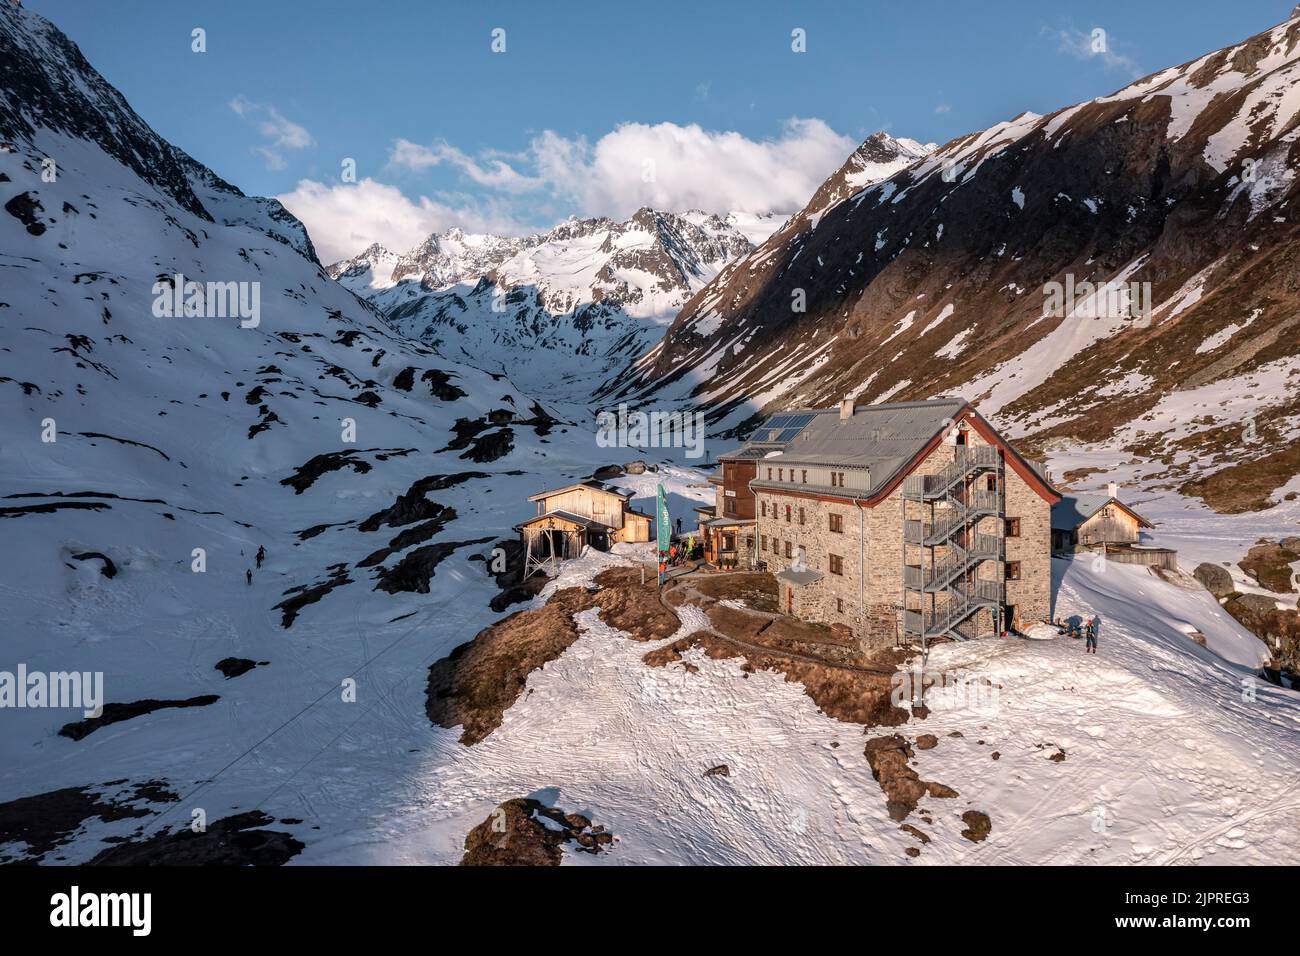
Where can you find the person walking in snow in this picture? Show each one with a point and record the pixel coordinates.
(1094, 625)
(261, 556)
(248, 576)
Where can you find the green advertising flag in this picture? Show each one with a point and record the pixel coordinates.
(663, 521)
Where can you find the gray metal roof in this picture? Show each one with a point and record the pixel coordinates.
(1073, 510)
(882, 438)
(775, 432)
(798, 578)
(725, 522)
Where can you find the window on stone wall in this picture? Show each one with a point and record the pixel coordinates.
(787, 513)
(991, 483)
(780, 474)
(789, 550)
(837, 523)
(763, 539)
(801, 516)
(1013, 528)
(841, 479)
(839, 605)
(769, 474)
(804, 479)
(1013, 570)
(836, 564)
(832, 479)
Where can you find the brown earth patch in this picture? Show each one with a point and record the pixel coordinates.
(757, 589)
(853, 696)
(1247, 485)
(477, 682)
(1270, 565)
(978, 825)
(903, 786)
(514, 834)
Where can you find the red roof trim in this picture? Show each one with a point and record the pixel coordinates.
(985, 431)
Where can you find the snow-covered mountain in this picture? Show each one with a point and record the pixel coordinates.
(590, 288)
(973, 271)
(147, 451)
(146, 456)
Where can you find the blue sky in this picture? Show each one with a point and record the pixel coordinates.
(446, 132)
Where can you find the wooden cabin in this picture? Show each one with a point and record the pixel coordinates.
(1092, 520)
(576, 516)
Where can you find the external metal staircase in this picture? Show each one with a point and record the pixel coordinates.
(944, 585)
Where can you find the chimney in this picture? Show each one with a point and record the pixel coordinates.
(846, 409)
(1112, 490)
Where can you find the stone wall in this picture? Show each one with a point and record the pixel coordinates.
(867, 596)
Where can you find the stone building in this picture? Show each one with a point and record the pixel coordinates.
(908, 520)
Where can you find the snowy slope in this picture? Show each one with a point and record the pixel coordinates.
(1164, 761)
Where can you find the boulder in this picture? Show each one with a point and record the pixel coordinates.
(1215, 579)
(635, 468)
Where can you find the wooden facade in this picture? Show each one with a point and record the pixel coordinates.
(727, 529)
(576, 516)
(1089, 521)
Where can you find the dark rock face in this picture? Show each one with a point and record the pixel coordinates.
(108, 569)
(232, 667)
(232, 841)
(414, 571)
(26, 209)
(115, 713)
(306, 474)
(490, 447)
(299, 596)
(45, 821)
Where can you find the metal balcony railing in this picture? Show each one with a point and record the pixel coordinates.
(968, 460)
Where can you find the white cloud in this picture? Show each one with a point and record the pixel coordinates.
(345, 219)
(666, 166)
(278, 132)
(493, 173)
(673, 167)
(1095, 43)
